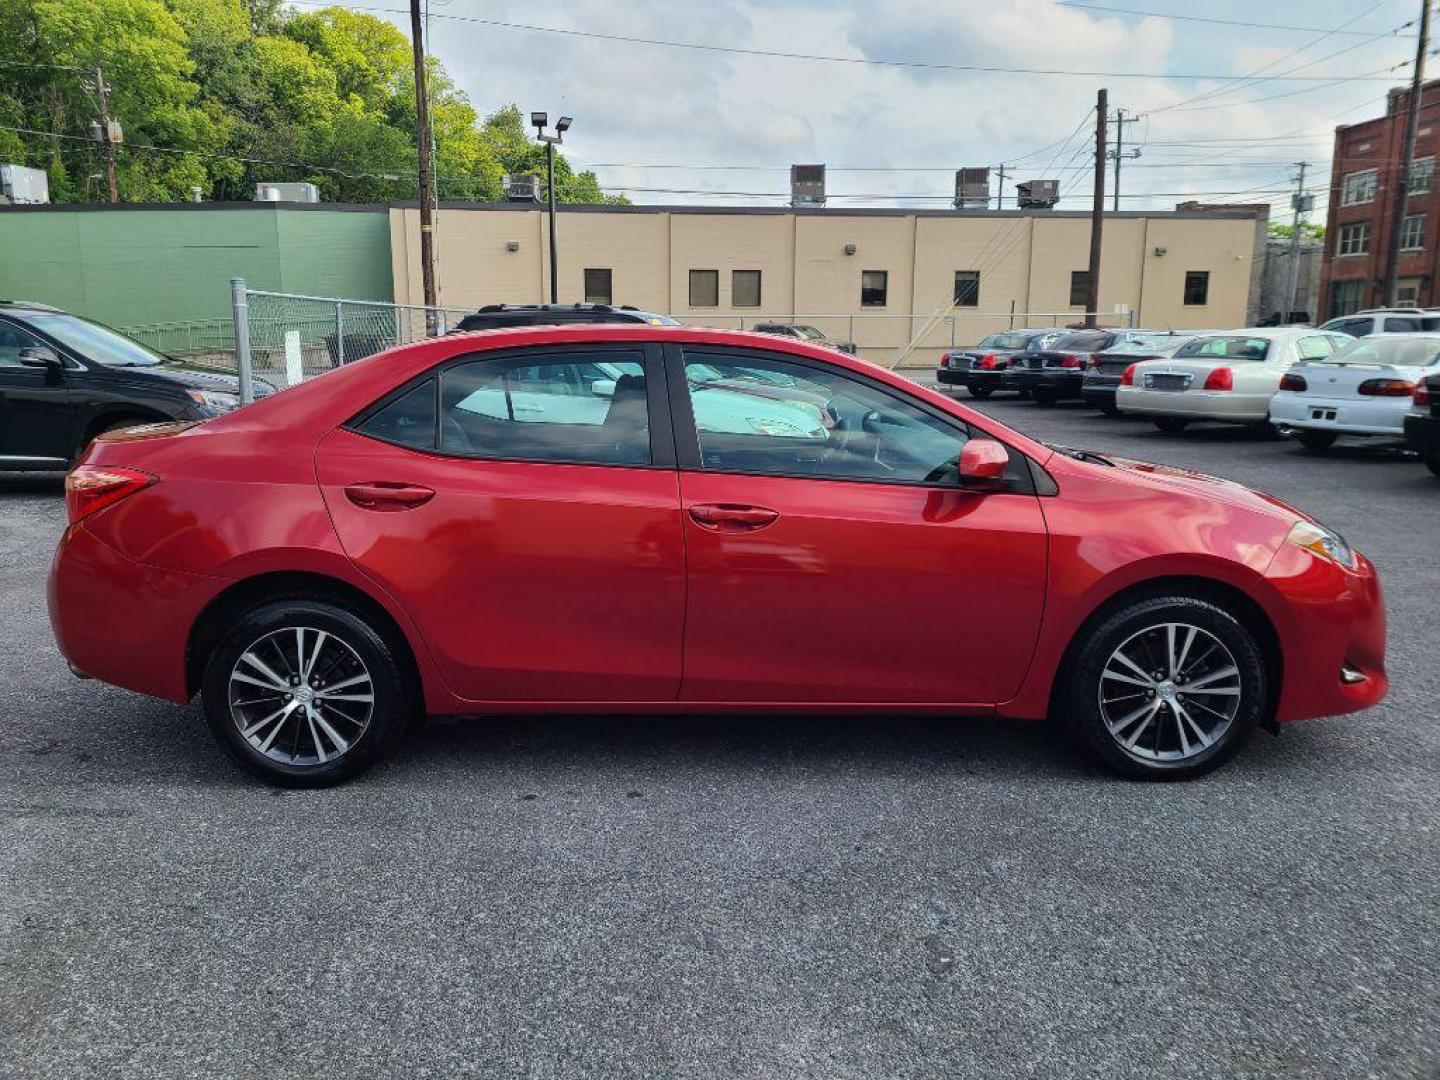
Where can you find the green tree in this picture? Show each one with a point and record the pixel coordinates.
(1308, 231)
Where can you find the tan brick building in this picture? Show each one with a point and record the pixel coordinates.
(877, 277)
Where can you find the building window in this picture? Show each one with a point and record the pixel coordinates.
(967, 288)
(1407, 292)
(745, 288)
(1197, 287)
(597, 287)
(1079, 288)
(1354, 239)
(874, 287)
(1412, 233)
(1359, 187)
(704, 288)
(1422, 176)
(1346, 297)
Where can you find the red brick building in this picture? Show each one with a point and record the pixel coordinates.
(1362, 197)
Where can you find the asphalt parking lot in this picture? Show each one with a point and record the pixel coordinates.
(731, 898)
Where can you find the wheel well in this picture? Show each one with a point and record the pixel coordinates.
(223, 610)
(127, 415)
(1250, 614)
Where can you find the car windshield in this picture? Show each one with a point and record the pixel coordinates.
(95, 342)
(1082, 342)
(1041, 342)
(809, 333)
(1005, 341)
(1395, 351)
(1150, 346)
(1225, 348)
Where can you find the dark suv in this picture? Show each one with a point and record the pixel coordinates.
(64, 380)
(504, 316)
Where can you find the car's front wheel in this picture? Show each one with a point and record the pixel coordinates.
(305, 693)
(1166, 687)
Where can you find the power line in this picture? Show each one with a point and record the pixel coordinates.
(812, 57)
(1203, 19)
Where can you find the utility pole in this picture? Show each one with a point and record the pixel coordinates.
(1000, 194)
(1301, 203)
(1119, 152)
(422, 145)
(102, 97)
(1097, 210)
(540, 120)
(1407, 162)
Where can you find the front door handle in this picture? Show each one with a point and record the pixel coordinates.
(387, 495)
(731, 517)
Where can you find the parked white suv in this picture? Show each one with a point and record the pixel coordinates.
(1385, 321)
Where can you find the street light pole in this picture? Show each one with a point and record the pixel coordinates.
(540, 120)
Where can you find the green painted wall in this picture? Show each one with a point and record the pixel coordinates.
(137, 267)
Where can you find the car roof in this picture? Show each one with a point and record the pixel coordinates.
(25, 305)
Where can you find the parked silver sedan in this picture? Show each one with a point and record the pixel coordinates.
(1229, 378)
(1363, 388)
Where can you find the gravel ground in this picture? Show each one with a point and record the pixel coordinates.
(733, 898)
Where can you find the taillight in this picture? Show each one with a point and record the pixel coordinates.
(1222, 378)
(987, 362)
(1296, 383)
(1071, 362)
(1386, 388)
(89, 488)
(1128, 379)
(1422, 393)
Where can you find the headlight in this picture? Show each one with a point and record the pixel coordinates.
(1321, 541)
(214, 400)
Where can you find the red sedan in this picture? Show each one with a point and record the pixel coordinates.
(631, 518)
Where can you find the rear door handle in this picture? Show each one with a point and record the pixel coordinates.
(387, 495)
(731, 517)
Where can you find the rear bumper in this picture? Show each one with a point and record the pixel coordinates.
(951, 377)
(1224, 406)
(121, 621)
(1422, 434)
(1100, 396)
(1351, 416)
(1062, 384)
(1333, 650)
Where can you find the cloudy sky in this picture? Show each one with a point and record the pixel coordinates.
(688, 125)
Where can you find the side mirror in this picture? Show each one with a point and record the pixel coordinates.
(603, 388)
(37, 356)
(982, 464)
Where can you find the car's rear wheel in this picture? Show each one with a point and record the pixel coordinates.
(1171, 425)
(1166, 687)
(1110, 410)
(1433, 463)
(980, 391)
(1045, 397)
(305, 693)
(1316, 442)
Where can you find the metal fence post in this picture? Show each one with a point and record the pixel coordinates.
(240, 308)
(339, 333)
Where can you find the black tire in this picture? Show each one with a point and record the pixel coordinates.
(980, 391)
(1171, 425)
(1110, 410)
(1045, 397)
(1432, 462)
(1023, 392)
(1317, 442)
(1082, 693)
(353, 642)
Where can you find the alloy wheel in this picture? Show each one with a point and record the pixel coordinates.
(1169, 692)
(301, 696)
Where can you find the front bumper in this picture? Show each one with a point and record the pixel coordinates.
(1224, 406)
(1422, 434)
(1332, 643)
(1344, 416)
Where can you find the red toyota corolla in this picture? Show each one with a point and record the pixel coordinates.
(631, 518)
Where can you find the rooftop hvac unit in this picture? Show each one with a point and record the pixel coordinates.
(23, 186)
(287, 193)
(522, 187)
(1038, 194)
(972, 189)
(807, 185)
